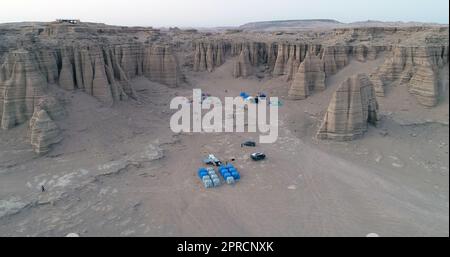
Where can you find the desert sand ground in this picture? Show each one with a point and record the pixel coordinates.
(123, 172)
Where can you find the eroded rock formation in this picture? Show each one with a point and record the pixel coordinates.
(309, 77)
(52, 106)
(415, 67)
(104, 72)
(251, 55)
(66, 76)
(280, 58)
(21, 86)
(101, 71)
(353, 106)
(242, 66)
(288, 59)
(161, 65)
(364, 52)
(43, 131)
(208, 55)
(101, 61)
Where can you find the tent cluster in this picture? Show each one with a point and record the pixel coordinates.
(252, 99)
(210, 178)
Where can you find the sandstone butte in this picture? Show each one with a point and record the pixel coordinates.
(352, 107)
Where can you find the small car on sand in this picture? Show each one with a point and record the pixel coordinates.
(248, 143)
(258, 156)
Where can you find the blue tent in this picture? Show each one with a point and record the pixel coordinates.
(202, 172)
(229, 165)
(244, 95)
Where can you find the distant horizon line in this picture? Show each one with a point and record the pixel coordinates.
(235, 26)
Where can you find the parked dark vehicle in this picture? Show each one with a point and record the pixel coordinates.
(248, 143)
(258, 156)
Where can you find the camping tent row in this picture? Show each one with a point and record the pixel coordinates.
(211, 179)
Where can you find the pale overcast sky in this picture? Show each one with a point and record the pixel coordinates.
(210, 13)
